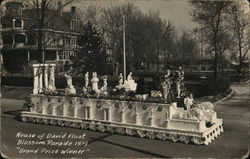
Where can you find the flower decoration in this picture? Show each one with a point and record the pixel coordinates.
(41, 98)
(70, 101)
(117, 105)
(144, 107)
(159, 109)
(49, 99)
(130, 106)
(98, 104)
(59, 100)
(81, 101)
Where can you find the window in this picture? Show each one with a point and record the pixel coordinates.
(19, 38)
(50, 55)
(18, 23)
(106, 114)
(60, 55)
(53, 40)
(74, 24)
(86, 112)
(60, 42)
(67, 41)
(64, 55)
(73, 42)
(31, 39)
(7, 39)
(7, 23)
(20, 11)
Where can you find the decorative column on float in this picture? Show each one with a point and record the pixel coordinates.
(167, 120)
(85, 112)
(52, 75)
(45, 109)
(90, 113)
(110, 114)
(46, 76)
(65, 109)
(54, 110)
(137, 119)
(106, 112)
(151, 117)
(76, 107)
(122, 114)
(41, 77)
(35, 82)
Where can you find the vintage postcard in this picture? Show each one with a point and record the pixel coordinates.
(124, 78)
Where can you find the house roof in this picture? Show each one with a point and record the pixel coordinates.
(13, 4)
(54, 19)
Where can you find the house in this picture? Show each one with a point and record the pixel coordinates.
(20, 36)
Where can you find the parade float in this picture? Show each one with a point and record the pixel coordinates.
(121, 110)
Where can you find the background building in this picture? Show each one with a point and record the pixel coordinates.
(20, 41)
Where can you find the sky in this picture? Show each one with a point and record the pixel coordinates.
(177, 11)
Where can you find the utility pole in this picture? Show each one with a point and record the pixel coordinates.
(124, 48)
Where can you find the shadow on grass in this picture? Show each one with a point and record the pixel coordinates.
(15, 113)
(128, 147)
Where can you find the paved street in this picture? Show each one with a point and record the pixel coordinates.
(233, 143)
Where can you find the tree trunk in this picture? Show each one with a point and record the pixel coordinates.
(222, 63)
(168, 56)
(215, 65)
(164, 65)
(157, 60)
(148, 65)
(240, 58)
(40, 46)
(191, 63)
(113, 59)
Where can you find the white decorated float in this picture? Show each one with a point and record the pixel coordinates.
(156, 119)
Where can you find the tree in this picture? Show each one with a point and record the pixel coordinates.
(210, 16)
(147, 35)
(111, 22)
(168, 41)
(241, 25)
(156, 31)
(1, 41)
(92, 56)
(140, 39)
(187, 48)
(92, 14)
(43, 17)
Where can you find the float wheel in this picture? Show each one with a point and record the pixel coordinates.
(53, 122)
(92, 126)
(173, 137)
(197, 140)
(110, 129)
(101, 128)
(185, 139)
(120, 131)
(45, 121)
(61, 123)
(151, 135)
(130, 132)
(24, 119)
(141, 133)
(84, 126)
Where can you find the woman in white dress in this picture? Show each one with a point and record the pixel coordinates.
(189, 101)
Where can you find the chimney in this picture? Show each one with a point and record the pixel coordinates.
(60, 7)
(73, 9)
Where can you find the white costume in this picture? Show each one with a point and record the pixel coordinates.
(188, 102)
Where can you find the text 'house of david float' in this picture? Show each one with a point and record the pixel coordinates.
(118, 112)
